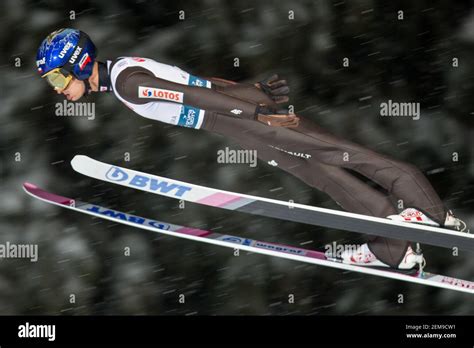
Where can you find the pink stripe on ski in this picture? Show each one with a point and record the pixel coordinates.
(193, 231)
(35, 190)
(218, 199)
(315, 254)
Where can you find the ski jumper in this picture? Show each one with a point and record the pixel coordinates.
(318, 158)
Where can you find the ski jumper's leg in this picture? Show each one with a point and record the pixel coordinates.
(401, 180)
(345, 189)
(325, 171)
(348, 191)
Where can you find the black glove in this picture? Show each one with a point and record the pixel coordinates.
(275, 88)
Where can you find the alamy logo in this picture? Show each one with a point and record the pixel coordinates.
(147, 183)
(37, 331)
(236, 111)
(391, 108)
(230, 156)
(76, 109)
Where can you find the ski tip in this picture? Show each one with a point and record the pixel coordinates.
(77, 160)
(29, 187)
(35, 191)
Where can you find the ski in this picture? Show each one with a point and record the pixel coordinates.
(271, 249)
(295, 212)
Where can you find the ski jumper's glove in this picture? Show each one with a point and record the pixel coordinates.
(275, 88)
(279, 118)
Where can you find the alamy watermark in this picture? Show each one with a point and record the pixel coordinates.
(28, 330)
(335, 250)
(67, 108)
(399, 109)
(230, 156)
(19, 251)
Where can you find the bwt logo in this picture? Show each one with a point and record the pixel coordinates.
(145, 182)
(236, 240)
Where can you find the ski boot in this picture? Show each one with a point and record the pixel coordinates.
(415, 216)
(362, 256)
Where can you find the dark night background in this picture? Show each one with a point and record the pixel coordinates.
(406, 60)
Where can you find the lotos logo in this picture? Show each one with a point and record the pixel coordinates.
(158, 93)
(138, 59)
(146, 183)
(66, 48)
(75, 55)
(126, 217)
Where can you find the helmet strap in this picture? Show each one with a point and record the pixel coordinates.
(104, 77)
(88, 87)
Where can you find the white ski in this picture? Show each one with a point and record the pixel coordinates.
(272, 249)
(273, 208)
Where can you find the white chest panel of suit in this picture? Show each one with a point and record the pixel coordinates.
(174, 113)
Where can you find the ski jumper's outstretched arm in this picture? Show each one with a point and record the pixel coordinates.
(270, 91)
(212, 100)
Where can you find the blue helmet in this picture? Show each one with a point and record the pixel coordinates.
(69, 49)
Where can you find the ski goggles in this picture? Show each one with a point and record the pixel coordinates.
(58, 78)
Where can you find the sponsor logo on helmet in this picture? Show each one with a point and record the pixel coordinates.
(66, 48)
(86, 59)
(158, 93)
(138, 59)
(42, 61)
(75, 55)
